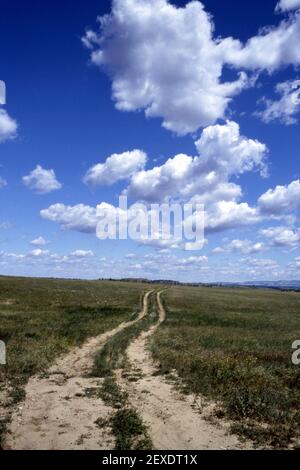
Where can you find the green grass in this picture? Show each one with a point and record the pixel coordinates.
(126, 425)
(111, 393)
(42, 318)
(234, 346)
(231, 345)
(129, 431)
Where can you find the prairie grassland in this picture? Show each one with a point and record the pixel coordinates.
(234, 346)
(42, 318)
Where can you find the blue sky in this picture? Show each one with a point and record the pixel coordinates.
(151, 80)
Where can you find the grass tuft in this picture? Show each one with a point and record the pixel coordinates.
(129, 431)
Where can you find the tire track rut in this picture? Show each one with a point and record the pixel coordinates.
(173, 423)
(57, 414)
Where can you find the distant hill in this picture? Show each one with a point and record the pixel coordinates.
(281, 285)
(295, 285)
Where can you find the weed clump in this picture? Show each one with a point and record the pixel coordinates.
(129, 431)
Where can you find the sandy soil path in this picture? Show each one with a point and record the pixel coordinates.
(172, 419)
(57, 414)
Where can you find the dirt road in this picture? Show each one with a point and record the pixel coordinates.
(172, 419)
(57, 413)
(60, 411)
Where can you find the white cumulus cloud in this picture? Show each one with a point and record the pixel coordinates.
(245, 247)
(82, 253)
(282, 236)
(42, 181)
(272, 49)
(285, 5)
(167, 61)
(38, 252)
(39, 241)
(117, 167)
(81, 218)
(8, 126)
(282, 200)
(223, 152)
(163, 59)
(226, 215)
(286, 108)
